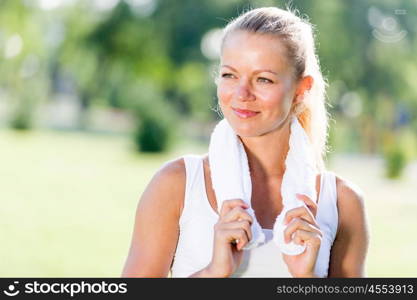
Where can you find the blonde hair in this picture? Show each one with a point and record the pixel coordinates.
(297, 35)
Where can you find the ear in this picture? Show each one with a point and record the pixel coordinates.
(303, 86)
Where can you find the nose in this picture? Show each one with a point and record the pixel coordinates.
(244, 93)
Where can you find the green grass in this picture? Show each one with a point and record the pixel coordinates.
(67, 205)
(68, 202)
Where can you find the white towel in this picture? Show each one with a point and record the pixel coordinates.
(231, 179)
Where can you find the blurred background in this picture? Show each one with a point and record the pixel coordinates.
(96, 95)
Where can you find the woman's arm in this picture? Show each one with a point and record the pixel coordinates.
(156, 228)
(352, 239)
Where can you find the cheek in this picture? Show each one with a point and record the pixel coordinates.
(277, 100)
(224, 93)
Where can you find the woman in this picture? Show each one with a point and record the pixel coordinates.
(268, 74)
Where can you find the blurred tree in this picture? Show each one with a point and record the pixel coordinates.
(23, 78)
(366, 49)
(146, 57)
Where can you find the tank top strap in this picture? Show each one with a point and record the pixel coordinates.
(327, 212)
(192, 167)
(193, 170)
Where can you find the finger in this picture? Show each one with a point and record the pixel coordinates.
(243, 224)
(230, 204)
(299, 224)
(237, 237)
(310, 203)
(299, 212)
(237, 213)
(302, 237)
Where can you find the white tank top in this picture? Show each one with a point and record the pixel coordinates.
(195, 243)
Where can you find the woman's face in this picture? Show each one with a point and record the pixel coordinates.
(255, 87)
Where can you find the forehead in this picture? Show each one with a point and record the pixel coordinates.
(255, 50)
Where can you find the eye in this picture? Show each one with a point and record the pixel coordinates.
(227, 75)
(264, 80)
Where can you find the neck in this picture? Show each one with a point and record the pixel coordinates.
(266, 154)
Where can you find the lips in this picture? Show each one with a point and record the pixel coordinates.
(244, 113)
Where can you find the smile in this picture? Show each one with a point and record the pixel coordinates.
(244, 113)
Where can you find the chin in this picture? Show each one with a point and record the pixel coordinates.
(253, 128)
(247, 133)
(246, 129)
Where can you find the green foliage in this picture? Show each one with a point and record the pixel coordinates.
(400, 148)
(21, 120)
(153, 134)
(156, 120)
(395, 160)
(123, 57)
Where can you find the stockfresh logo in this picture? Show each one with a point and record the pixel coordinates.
(11, 289)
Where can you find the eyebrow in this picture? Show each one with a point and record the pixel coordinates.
(257, 71)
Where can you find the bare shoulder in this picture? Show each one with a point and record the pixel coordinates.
(170, 176)
(352, 238)
(165, 192)
(153, 247)
(348, 189)
(173, 170)
(350, 201)
(348, 193)
(169, 181)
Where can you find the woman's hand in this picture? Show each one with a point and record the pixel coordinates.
(231, 233)
(302, 223)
